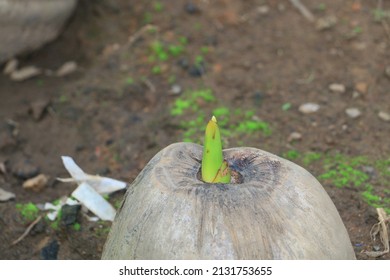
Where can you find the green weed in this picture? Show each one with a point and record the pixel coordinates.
(286, 106)
(28, 211)
(192, 103)
(310, 157)
(344, 171)
(158, 6)
(291, 155)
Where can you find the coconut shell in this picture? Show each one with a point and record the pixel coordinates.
(275, 209)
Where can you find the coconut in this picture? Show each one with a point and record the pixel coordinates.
(272, 209)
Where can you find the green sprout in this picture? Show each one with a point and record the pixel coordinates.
(214, 168)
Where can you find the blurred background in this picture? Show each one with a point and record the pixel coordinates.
(112, 82)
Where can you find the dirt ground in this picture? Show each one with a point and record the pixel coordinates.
(113, 114)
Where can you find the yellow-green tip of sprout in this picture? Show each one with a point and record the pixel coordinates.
(214, 168)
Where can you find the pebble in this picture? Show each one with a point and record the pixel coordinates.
(176, 89)
(361, 87)
(69, 214)
(50, 251)
(339, 88)
(326, 23)
(38, 108)
(369, 170)
(11, 66)
(353, 112)
(309, 108)
(5, 196)
(191, 8)
(66, 69)
(376, 248)
(24, 169)
(196, 71)
(36, 183)
(294, 136)
(25, 73)
(384, 116)
(355, 94)
(263, 10)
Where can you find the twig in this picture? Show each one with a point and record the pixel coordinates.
(303, 10)
(28, 229)
(381, 229)
(149, 84)
(386, 28)
(138, 34)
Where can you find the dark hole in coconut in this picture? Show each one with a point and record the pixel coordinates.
(236, 177)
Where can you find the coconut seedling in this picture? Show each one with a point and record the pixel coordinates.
(186, 204)
(214, 168)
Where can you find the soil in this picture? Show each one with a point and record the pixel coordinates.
(113, 114)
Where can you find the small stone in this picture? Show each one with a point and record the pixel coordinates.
(50, 251)
(263, 10)
(384, 116)
(387, 71)
(353, 112)
(355, 94)
(5, 196)
(69, 214)
(309, 108)
(38, 108)
(24, 169)
(25, 73)
(339, 88)
(326, 22)
(369, 170)
(36, 183)
(191, 8)
(66, 69)
(196, 71)
(294, 136)
(176, 89)
(183, 63)
(11, 66)
(361, 87)
(376, 248)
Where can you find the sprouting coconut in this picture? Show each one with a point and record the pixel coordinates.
(191, 202)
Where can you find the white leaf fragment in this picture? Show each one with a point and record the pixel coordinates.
(89, 197)
(91, 188)
(102, 185)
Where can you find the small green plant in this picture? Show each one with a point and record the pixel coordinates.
(310, 157)
(291, 155)
(343, 171)
(380, 14)
(176, 50)
(147, 18)
(29, 211)
(214, 168)
(204, 50)
(158, 6)
(321, 7)
(199, 59)
(129, 81)
(286, 106)
(156, 69)
(76, 226)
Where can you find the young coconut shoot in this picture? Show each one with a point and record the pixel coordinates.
(214, 168)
